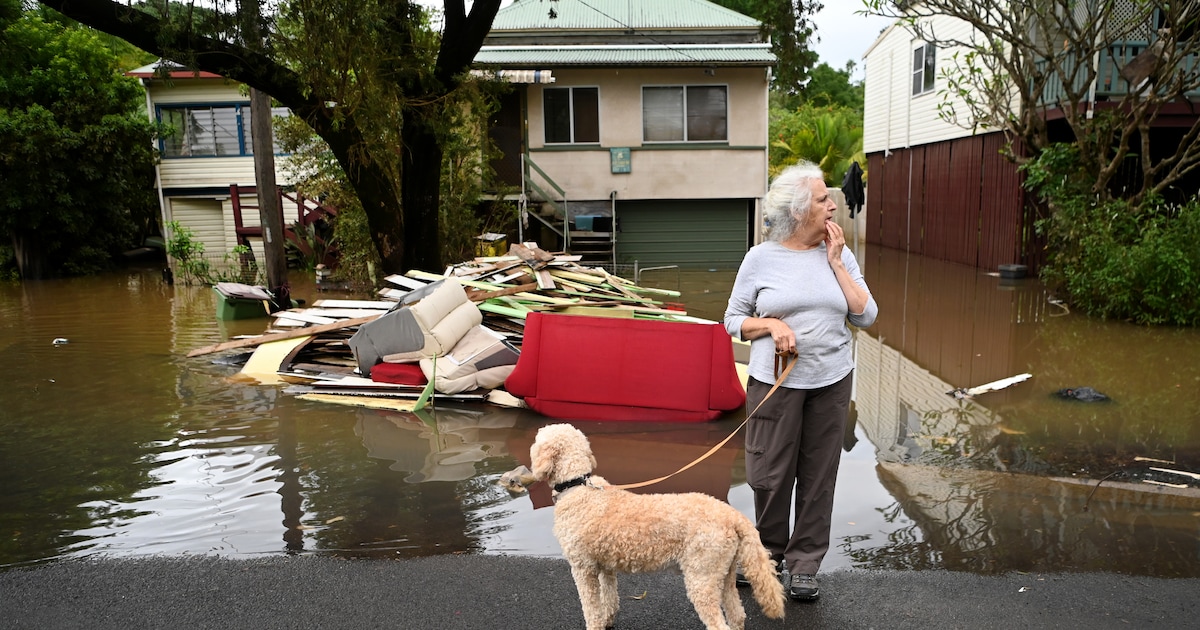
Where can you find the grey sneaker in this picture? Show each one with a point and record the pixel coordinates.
(803, 588)
(780, 567)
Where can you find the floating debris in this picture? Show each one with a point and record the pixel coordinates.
(961, 393)
(1082, 394)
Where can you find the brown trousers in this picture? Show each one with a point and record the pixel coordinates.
(793, 442)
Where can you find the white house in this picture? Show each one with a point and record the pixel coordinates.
(207, 155)
(942, 188)
(938, 187)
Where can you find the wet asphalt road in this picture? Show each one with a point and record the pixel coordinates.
(515, 592)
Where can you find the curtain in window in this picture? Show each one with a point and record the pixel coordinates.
(706, 113)
(662, 114)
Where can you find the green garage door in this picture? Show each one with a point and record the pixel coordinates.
(692, 234)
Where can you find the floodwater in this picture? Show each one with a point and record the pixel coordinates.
(114, 443)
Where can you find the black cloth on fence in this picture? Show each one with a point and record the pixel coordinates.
(852, 187)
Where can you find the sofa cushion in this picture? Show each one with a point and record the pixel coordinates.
(480, 359)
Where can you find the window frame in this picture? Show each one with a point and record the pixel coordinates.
(242, 117)
(925, 70)
(683, 113)
(571, 117)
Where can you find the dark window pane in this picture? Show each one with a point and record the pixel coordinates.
(706, 113)
(930, 69)
(587, 114)
(557, 105)
(174, 142)
(918, 69)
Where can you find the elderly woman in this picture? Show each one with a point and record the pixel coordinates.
(793, 295)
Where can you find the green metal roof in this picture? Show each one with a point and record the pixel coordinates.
(672, 54)
(618, 15)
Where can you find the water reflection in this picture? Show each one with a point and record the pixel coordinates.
(1006, 481)
(116, 444)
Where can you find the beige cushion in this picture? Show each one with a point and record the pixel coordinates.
(458, 370)
(445, 315)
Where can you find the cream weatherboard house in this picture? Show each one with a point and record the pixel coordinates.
(207, 157)
(936, 188)
(641, 132)
(943, 189)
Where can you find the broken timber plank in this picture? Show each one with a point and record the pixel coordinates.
(577, 277)
(499, 309)
(544, 279)
(303, 316)
(535, 257)
(287, 334)
(265, 363)
(382, 305)
(479, 295)
(411, 282)
(344, 313)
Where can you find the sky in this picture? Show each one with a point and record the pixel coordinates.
(844, 35)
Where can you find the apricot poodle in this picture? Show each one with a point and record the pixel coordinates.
(604, 531)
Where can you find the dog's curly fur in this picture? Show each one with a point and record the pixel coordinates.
(604, 531)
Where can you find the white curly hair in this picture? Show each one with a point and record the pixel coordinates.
(789, 198)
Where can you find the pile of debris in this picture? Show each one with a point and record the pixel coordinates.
(456, 335)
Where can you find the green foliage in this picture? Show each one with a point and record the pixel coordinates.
(466, 168)
(76, 156)
(789, 27)
(318, 241)
(194, 268)
(317, 174)
(1115, 260)
(461, 124)
(828, 136)
(830, 87)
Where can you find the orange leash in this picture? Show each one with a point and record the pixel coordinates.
(787, 362)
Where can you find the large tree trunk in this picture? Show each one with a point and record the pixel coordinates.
(376, 192)
(421, 185)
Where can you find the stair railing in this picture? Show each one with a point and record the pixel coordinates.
(559, 205)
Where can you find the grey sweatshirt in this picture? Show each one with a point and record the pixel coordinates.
(799, 288)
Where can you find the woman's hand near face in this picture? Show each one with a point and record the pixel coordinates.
(835, 240)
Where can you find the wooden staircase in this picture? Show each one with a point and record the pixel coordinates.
(578, 234)
(308, 213)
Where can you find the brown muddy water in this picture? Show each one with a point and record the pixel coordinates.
(114, 444)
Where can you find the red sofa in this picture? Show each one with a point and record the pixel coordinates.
(599, 368)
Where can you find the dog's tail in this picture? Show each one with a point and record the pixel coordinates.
(759, 570)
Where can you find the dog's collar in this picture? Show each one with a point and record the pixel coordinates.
(571, 483)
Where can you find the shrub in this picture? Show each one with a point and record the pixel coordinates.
(1114, 261)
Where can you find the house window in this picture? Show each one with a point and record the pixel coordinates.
(572, 115)
(209, 130)
(695, 113)
(924, 69)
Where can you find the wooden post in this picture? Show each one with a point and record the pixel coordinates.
(270, 214)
